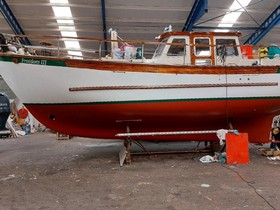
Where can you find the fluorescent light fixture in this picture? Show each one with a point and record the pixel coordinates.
(69, 33)
(59, 2)
(231, 17)
(225, 25)
(67, 28)
(62, 11)
(221, 30)
(77, 53)
(72, 44)
(60, 21)
(235, 5)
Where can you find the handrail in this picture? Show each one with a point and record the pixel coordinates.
(59, 51)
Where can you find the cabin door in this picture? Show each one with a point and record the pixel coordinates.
(202, 50)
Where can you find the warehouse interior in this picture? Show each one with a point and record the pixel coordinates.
(42, 168)
(257, 20)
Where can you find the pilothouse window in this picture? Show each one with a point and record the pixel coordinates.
(202, 47)
(175, 50)
(160, 48)
(228, 46)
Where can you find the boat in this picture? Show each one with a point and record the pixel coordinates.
(195, 81)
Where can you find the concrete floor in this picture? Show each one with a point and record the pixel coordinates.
(39, 172)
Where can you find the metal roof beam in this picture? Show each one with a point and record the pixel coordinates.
(199, 8)
(103, 7)
(265, 27)
(12, 21)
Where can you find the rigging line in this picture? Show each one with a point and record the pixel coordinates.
(248, 13)
(250, 185)
(227, 13)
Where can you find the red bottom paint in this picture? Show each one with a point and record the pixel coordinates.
(106, 120)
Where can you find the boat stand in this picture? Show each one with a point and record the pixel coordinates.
(125, 154)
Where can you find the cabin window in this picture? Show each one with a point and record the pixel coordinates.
(175, 50)
(202, 47)
(226, 46)
(160, 48)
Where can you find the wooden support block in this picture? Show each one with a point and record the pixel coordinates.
(61, 136)
(271, 152)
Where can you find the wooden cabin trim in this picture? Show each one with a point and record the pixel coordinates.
(168, 69)
(185, 33)
(193, 46)
(151, 68)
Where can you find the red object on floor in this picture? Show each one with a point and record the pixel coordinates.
(237, 148)
(23, 113)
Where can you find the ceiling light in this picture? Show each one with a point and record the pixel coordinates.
(221, 30)
(77, 53)
(225, 25)
(62, 11)
(69, 33)
(237, 5)
(59, 2)
(67, 28)
(231, 17)
(70, 22)
(72, 44)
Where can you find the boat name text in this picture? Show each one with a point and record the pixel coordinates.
(32, 61)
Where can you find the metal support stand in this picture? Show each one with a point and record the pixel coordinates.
(124, 154)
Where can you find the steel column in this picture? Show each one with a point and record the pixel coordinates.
(12, 21)
(265, 27)
(199, 8)
(104, 25)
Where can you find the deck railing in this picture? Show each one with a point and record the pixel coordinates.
(92, 48)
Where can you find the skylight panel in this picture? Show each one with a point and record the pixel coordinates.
(59, 2)
(63, 15)
(60, 21)
(231, 17)
(225, 25)
(67, 28)
(221, 30)
(62, 11)
(77, 53)
(69, 33)
(72, 44)
(236, 5)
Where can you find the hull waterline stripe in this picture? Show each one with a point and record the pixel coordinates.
(133, 87)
